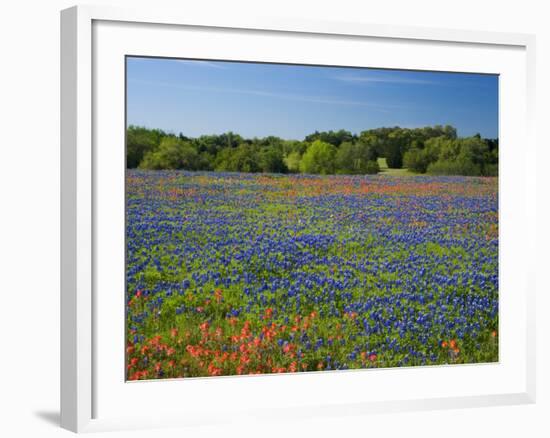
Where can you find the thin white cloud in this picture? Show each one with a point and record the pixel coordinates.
(275, 95)
(303, 98)
(383, 79)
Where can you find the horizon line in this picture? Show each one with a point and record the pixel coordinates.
(171, 132)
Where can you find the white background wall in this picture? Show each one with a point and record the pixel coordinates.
(29, 215)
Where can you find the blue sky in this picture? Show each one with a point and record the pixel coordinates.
(290, 101)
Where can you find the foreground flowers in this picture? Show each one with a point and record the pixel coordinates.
(241, 274)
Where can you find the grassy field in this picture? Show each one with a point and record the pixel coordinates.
(385, 170)
(233, 273)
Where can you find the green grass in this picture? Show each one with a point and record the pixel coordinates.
(385, 170)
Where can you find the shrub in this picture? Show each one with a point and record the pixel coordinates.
(444, 167)
(172, 153)
(372, 167)
(416, 160)
(140, 141)
(244, 158)
(292, 162)
(319, 158)
(490, 170)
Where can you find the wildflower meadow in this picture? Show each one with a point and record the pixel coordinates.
(233, 273)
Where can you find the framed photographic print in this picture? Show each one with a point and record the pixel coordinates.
(263, 208)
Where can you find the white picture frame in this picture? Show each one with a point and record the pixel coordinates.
(84, 176)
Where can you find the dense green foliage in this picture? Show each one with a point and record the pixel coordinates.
(433, 149)
(172, 153)
(471, 156)
(319, 158)
(140, 141)
(357, 158)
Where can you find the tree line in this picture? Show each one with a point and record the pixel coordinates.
(434, 150)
